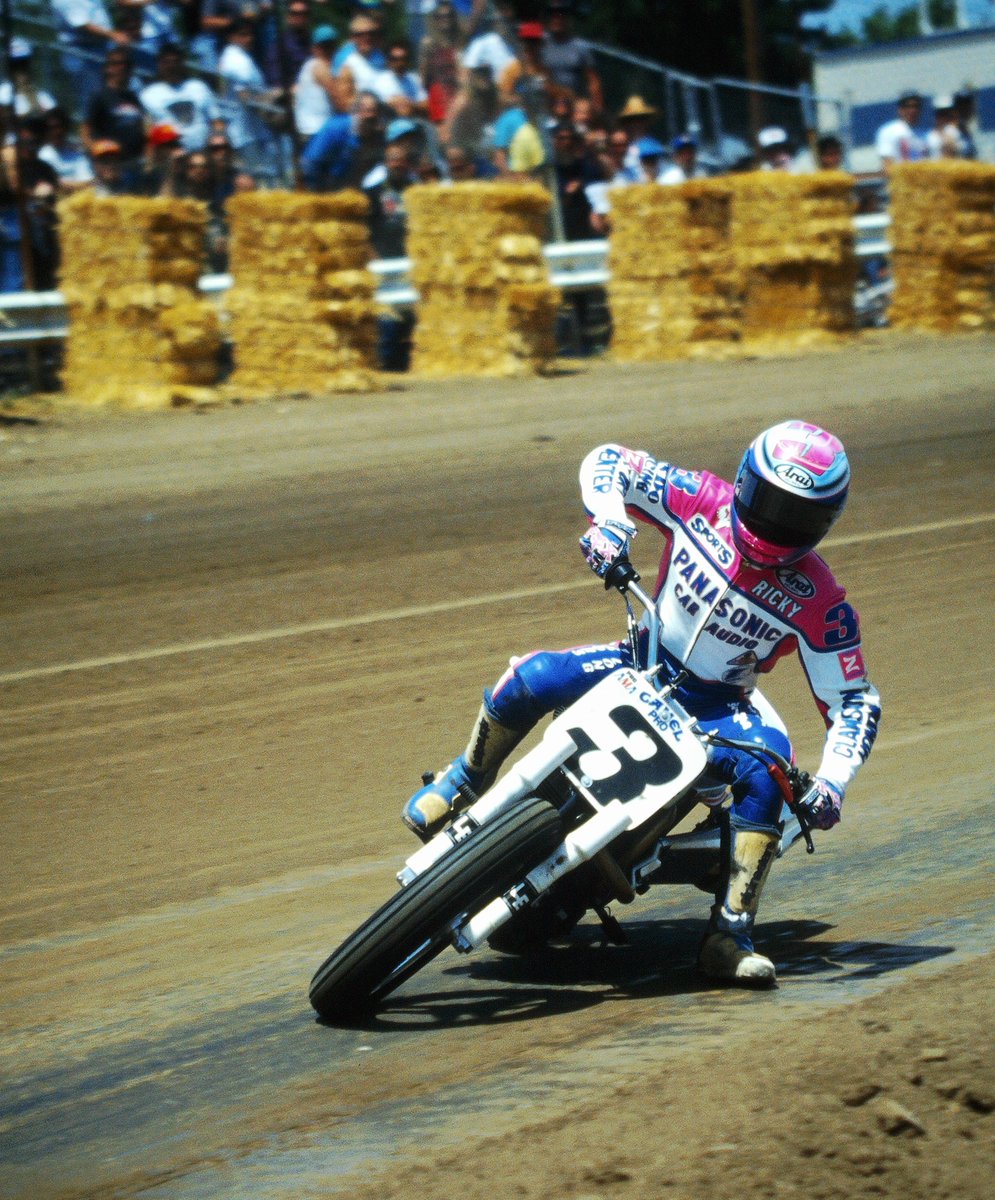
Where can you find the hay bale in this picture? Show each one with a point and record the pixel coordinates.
(943, 239)
(139, 333)
(303, 309)
(487, 307)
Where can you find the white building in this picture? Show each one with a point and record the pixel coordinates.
(869, 80)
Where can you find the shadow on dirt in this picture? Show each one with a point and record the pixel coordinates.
(657, 961)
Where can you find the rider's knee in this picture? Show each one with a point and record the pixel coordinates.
(515, 702)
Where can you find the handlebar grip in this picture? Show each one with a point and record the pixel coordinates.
(620, 574)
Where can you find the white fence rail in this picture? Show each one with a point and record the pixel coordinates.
(33, 317)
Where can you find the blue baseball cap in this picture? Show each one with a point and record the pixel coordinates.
(684, 141)
(400, 127)
(648, 147)
(324, 33)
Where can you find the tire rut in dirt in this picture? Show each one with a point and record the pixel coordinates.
(413, 926)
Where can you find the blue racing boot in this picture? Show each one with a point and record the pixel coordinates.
(455, 788)
(727, 952)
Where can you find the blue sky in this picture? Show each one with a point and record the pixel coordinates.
(851, 12)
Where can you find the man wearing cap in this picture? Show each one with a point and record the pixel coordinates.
(944, 139)
(403, 135)
(177, 99)
(359, 61)
(685, 165)
(775, 149)
(569, 60)
(108, 168)
(651, 153)
(897, 140)
(636, 118)
(527, 79)
(316, 91)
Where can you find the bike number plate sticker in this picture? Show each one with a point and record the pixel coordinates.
(631, 746)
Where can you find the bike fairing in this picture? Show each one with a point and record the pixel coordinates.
(712, 601)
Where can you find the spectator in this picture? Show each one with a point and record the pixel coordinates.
(227, 177)
(774, 149)
(438, 60)
(108, 169)
(965, 106)
(897, 140)
(163, 162)
(195, 181)
(527, 77)
(115, 114)
(615, 165)
(472, 116)
(20, 97)
(460, 167)
(291, 49)
(345, 148)
(400, 133)
(684, 151)
(316, 91)
(148, 25)
(216, 19)
(358, 64)
(944, 139)
(388, 216)
(829, 153)
(399, 86)
(569, 60)
(651, 154)
(30, 185)
(636, 118)
(243, 91)
(85, 33)
(177, 99)
(494, 48)
(573, 172)
(518, 145)
(65, 155)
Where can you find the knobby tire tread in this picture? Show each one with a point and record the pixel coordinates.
(357, 975)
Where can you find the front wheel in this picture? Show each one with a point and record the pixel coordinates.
(415, 924)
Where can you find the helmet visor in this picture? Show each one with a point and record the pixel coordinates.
(771, 513)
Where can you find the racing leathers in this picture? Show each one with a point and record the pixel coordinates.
(725, 623)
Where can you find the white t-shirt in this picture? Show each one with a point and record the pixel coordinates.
(488, 50)
(312, 107)
(898, 141)
(388, 87)
(190, 107)
(947, 142)
(239, 73)
(72, 15)
(364, 73)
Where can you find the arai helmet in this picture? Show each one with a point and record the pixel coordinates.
(790, 488)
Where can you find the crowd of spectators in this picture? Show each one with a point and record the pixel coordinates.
(206, 97)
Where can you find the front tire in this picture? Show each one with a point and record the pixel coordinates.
(415, 924)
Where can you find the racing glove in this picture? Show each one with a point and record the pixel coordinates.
(822, 804)
(605, 543)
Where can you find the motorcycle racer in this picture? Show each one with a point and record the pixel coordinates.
(739, 587)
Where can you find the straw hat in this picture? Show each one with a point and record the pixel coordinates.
(636, 106)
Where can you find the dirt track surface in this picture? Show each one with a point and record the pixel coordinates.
(233, 640)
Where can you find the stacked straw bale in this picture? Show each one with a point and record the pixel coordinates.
(794, 243)
(943, 238)
(302, 310)
(139, 335)
(674, 291)
(486, 307)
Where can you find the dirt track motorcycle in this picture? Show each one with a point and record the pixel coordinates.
(582, 820)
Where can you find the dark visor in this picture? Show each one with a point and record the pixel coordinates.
(775, 515)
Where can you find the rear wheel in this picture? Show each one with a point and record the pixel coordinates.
(414, 925)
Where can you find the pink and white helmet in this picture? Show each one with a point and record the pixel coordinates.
(790, 488)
